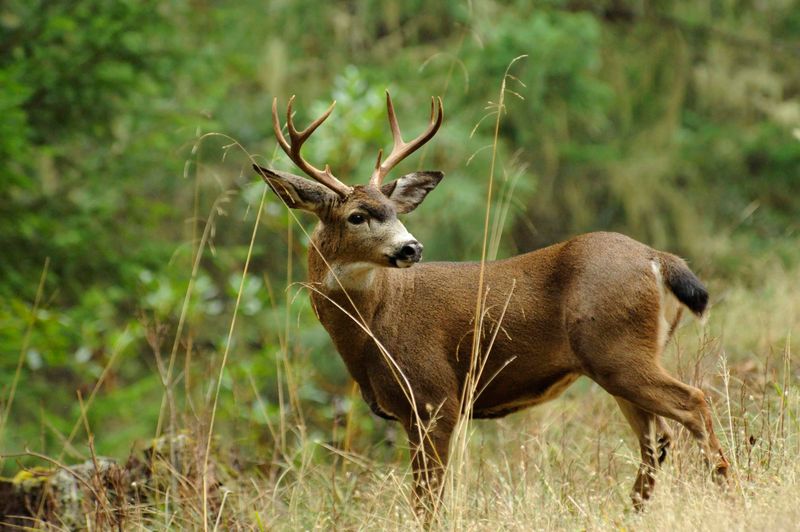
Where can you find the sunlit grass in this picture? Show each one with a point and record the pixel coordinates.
(569, 464)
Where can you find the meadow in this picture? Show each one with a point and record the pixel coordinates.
(570, 464)
(160, 364)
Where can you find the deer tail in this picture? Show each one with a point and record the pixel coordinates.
(683, 283)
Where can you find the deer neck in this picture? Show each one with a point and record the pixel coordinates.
(341, 311)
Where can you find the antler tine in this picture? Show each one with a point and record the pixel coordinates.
(303, 135)
(401, 149)
(297, 138)
(397, 137)
(276, 127)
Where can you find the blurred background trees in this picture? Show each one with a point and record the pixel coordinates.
(675, 122)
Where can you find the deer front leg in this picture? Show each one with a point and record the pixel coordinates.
(429, 441)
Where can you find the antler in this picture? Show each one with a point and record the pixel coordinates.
(297, 139)
(401, 149)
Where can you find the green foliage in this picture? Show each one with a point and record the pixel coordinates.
(672, 124)
(70, 70)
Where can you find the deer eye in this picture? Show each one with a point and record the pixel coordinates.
(356, 218)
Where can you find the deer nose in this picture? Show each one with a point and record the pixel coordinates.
(411, 251)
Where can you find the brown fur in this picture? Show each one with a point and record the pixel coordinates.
(590, 306)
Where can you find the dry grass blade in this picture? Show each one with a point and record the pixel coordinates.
(225, 360)
(23, 349)
(460, 437)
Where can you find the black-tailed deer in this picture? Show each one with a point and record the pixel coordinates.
(599, 305)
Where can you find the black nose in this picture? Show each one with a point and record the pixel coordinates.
(410, 251)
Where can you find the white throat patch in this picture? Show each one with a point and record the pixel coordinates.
(351, 276)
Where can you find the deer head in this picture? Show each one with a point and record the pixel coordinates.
(358, 224)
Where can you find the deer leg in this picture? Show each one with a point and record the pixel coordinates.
(654, 439)
(429, 441)
(654, 390)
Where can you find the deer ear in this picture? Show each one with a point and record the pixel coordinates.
(297, 192)
(408, 191)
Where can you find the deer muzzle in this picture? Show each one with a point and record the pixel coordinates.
(406, 254)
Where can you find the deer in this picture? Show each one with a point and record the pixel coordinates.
(599, 305)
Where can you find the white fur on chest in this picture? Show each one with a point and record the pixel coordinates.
(351, 276)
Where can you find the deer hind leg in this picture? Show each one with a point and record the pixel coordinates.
(654, 390)
(654, 439)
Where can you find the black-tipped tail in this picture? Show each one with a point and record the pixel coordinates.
(682, 282)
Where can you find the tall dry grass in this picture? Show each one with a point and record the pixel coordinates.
(569, 464)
